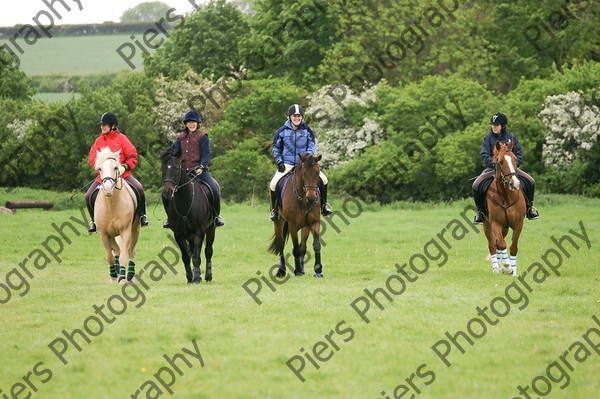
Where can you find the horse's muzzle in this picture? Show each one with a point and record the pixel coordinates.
(311, 200)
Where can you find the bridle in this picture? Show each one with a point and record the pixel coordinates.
(505, 180)
(111, 179)
(505, 176)
(178, 186)
(305, 189)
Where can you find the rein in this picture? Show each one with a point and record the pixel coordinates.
(300, 198)
(504, 181)
(177, 187)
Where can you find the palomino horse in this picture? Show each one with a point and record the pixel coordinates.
(301, 204)
(506, 205)
(190, 215)
(115, 215)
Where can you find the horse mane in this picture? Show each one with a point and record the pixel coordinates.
(309, 161)
(166, 154)
(105, 154)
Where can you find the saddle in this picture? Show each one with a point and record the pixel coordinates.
(281, 184)
(485, 185)
(208, 192)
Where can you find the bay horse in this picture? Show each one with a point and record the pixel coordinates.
(506, 209)
(115, 216)
(190, 215)
(300, 210)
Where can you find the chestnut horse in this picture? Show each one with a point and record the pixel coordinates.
(506, 207)
(190, 215)
(301, 205)
(115, 215)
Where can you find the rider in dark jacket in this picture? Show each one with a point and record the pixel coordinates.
(499, 133)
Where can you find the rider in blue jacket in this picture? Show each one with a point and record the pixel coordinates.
(291, 140)
(499, 133)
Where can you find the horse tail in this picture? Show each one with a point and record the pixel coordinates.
(277, 244)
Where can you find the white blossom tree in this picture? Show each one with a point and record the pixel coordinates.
(573, 127)
(338, 140)
(191, 92)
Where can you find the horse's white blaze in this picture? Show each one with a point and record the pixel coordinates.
(512, 170)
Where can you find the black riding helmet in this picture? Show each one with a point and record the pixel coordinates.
(499, 119)
(295, 109)
(108, 118)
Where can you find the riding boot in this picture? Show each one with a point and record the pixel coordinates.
(219, 221)
(480, 215)
(142, 211)
(274, 204)
(325, 207)
(532, 212)
(90, 206)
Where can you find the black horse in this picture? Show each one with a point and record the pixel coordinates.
(190, 214)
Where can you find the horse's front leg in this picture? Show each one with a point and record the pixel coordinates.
(501, 256)
(126, 276)
(111, 256)
(196, 244)
(298, 271)
(303, 239)
(185, 256)
(208, 252)
(315, 228)
(514, 247)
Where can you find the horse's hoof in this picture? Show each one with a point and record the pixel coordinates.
(113, 280)
(299, 273)
(318, 275)
(280, 273)
(208, 278)
(496, 270)
(190, 282)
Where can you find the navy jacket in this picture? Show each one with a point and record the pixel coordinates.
(489, 142)
(289, 143)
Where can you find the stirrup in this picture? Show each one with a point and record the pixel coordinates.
(92, 228)
(274, 215)
(166, 225)
(144, 221)
(479, 218)
(326, 209)
(532, 213)
(219, 221)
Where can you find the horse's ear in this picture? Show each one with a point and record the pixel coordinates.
(510, 145)
(318, 158)
(302, 157)
(498, 146)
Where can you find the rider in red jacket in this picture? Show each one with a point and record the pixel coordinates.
(115, 140)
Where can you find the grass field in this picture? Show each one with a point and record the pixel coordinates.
(245, 347)
(76, 55)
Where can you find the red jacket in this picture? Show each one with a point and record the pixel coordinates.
(116, 141)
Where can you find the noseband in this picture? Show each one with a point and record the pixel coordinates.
(505, 176)
(112, 179)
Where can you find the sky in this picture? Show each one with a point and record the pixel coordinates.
(14, 12)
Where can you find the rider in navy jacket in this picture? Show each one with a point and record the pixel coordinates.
(291, 140)
(288, 143)
(499, 133)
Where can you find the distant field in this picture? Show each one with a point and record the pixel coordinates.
(57, 97)
(77, 55)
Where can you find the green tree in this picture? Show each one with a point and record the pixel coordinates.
(205, 42)
(288, 39)
(13, 82)
(258, 112)
(146, 12)
(533, 38)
